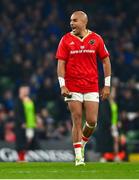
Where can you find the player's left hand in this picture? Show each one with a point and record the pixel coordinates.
(105, 93)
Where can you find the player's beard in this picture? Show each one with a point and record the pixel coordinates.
(76, 32)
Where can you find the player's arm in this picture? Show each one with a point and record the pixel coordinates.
(105, 93)
(61, 75)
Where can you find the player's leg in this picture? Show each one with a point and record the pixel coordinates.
(91, 104)
(91, 114)
(75, 108)
(20, 147)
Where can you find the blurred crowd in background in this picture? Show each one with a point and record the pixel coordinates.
(29, 34)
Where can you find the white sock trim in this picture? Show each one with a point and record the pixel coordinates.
(91, 127)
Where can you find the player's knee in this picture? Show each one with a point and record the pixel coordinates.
(77, 118)
(92, 121)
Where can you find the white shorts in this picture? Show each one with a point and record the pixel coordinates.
(92, 96)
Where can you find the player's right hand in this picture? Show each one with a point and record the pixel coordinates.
(64, 91)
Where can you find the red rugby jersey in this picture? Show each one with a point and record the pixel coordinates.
(81, 61)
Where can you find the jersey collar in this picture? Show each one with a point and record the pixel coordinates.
(88, 33)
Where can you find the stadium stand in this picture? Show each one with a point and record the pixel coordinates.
(29, 34)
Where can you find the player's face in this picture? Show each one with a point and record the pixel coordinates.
(76, 24)
(24, 91)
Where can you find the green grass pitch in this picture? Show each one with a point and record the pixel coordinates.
(51, 170)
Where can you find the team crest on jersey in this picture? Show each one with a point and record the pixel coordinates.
(92, 41)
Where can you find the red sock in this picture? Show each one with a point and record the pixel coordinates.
(84, 140)
(21, 155)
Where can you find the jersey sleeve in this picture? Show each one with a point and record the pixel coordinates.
(102, 50)
(62, 50)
